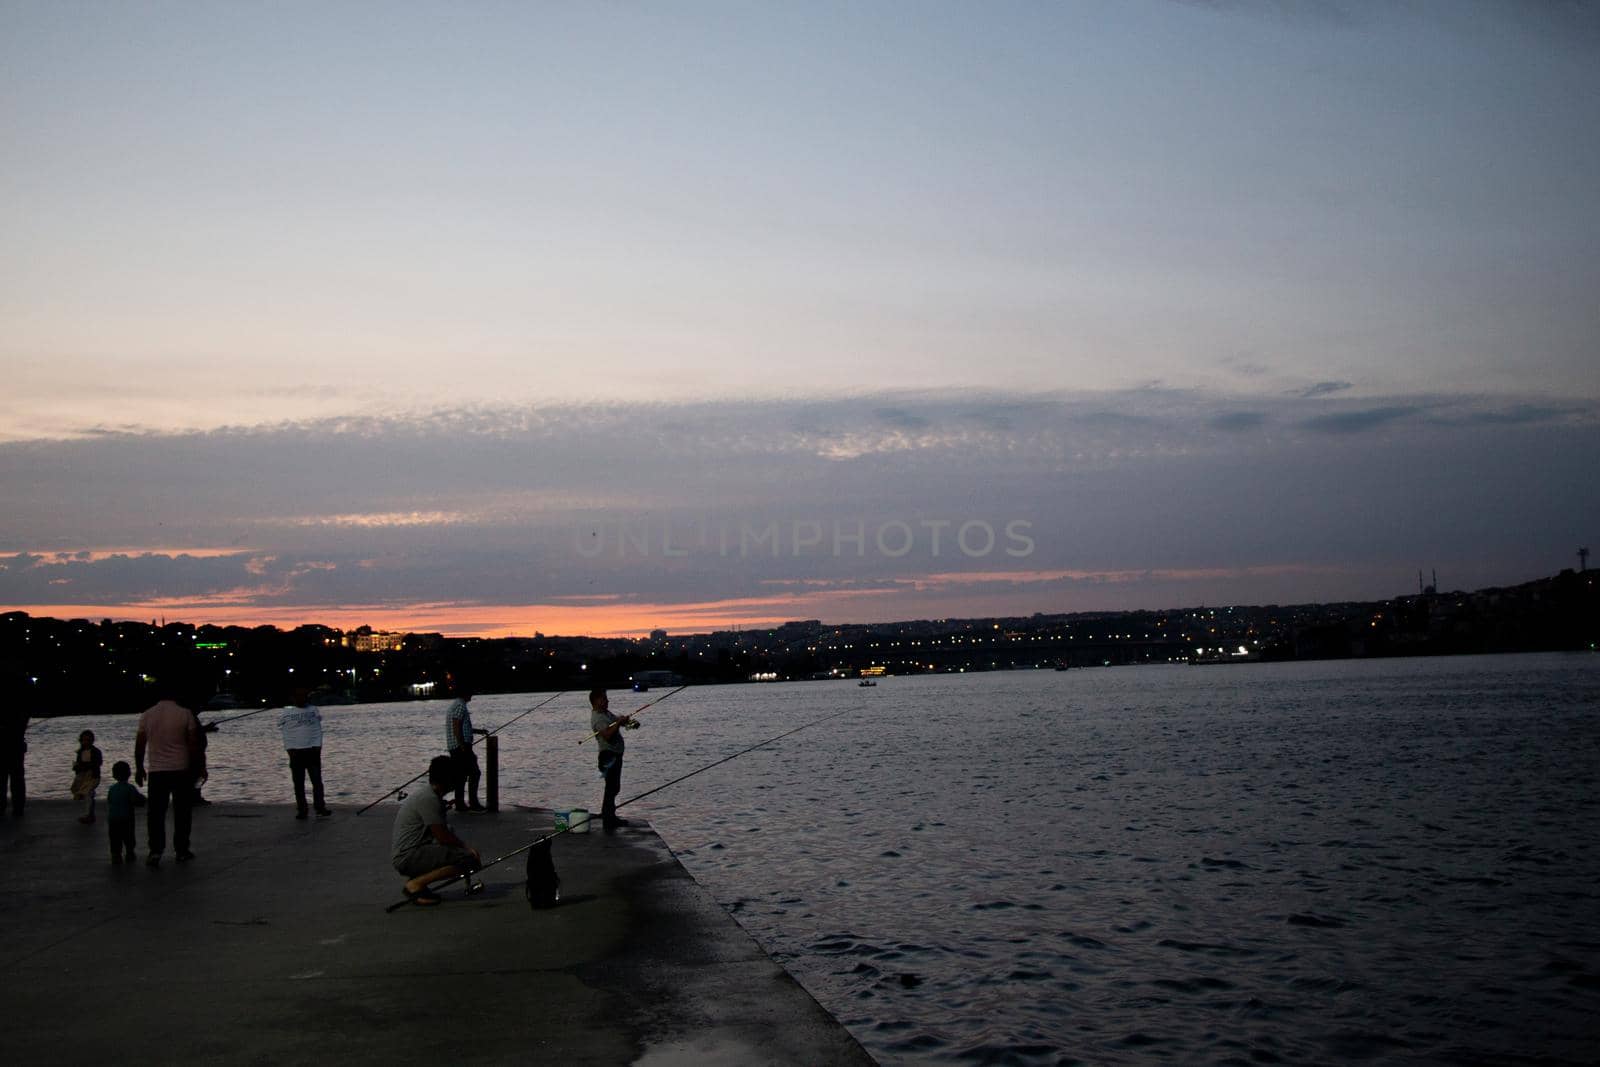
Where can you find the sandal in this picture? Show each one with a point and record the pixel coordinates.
(422, 897)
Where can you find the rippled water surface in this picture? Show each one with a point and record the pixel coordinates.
(1319, 862)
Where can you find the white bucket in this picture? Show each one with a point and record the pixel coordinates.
(578, 820)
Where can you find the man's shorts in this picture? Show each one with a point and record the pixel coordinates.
(432, 856)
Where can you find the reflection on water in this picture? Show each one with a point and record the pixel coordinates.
(1300, 862)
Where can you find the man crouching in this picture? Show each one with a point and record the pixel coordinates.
(425, 849)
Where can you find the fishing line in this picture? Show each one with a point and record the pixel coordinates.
(637, 710)
(683, 778)
(496, 730)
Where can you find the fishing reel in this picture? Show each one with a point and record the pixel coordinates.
(633, 724)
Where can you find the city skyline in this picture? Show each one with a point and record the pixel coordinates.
(601, 319)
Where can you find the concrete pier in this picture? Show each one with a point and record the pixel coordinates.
(273, 946)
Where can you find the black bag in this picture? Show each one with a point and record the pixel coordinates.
(544, 885)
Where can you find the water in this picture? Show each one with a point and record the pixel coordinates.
(1319, 862)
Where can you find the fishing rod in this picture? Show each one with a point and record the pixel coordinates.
(213, 724)
(502, 726)
(637, 710)
(530, 711)
(568, 829)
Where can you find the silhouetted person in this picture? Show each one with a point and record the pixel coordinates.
(121, 799)
(171, 734)
(13, 756)
(458, 733)
(86, 774)
(200, 774)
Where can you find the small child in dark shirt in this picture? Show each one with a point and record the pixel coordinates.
(121, 799)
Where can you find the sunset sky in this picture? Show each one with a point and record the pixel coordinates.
(494, 318)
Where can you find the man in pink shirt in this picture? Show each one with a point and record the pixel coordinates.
(170, 734)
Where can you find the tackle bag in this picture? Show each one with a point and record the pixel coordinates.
(544, 885)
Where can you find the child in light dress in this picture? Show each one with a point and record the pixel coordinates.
(86, 775)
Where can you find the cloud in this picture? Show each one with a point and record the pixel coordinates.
(31, 577)
(1360, 421)
(1246, 367)
(1325, 389)
(1323, 12)
(368, 520)
(1121, 419)
(642, 507)
(1571, 22)
(1569, 19)
(1238, 421)
(1517, 415)
(901, 418)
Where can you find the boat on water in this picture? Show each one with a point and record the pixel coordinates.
(643, 681)
(866, 683)
(1238, 654)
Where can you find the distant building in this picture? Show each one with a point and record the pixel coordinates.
(366, 639)
(428, 642)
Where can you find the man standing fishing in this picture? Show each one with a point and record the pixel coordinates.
(301, 725)
(425, 849)
(458, 733)
(608, 727)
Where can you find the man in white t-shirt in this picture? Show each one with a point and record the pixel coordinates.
(301, 724)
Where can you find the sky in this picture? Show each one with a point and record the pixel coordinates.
(503, 318)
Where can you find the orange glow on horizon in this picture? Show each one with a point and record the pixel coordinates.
(471, 620)
(943, 595)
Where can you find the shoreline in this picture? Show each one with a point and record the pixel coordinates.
(274, 944)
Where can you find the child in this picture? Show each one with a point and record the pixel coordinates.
(121, 799)
(86, 774)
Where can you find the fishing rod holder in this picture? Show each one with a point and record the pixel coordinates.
(491, 773)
